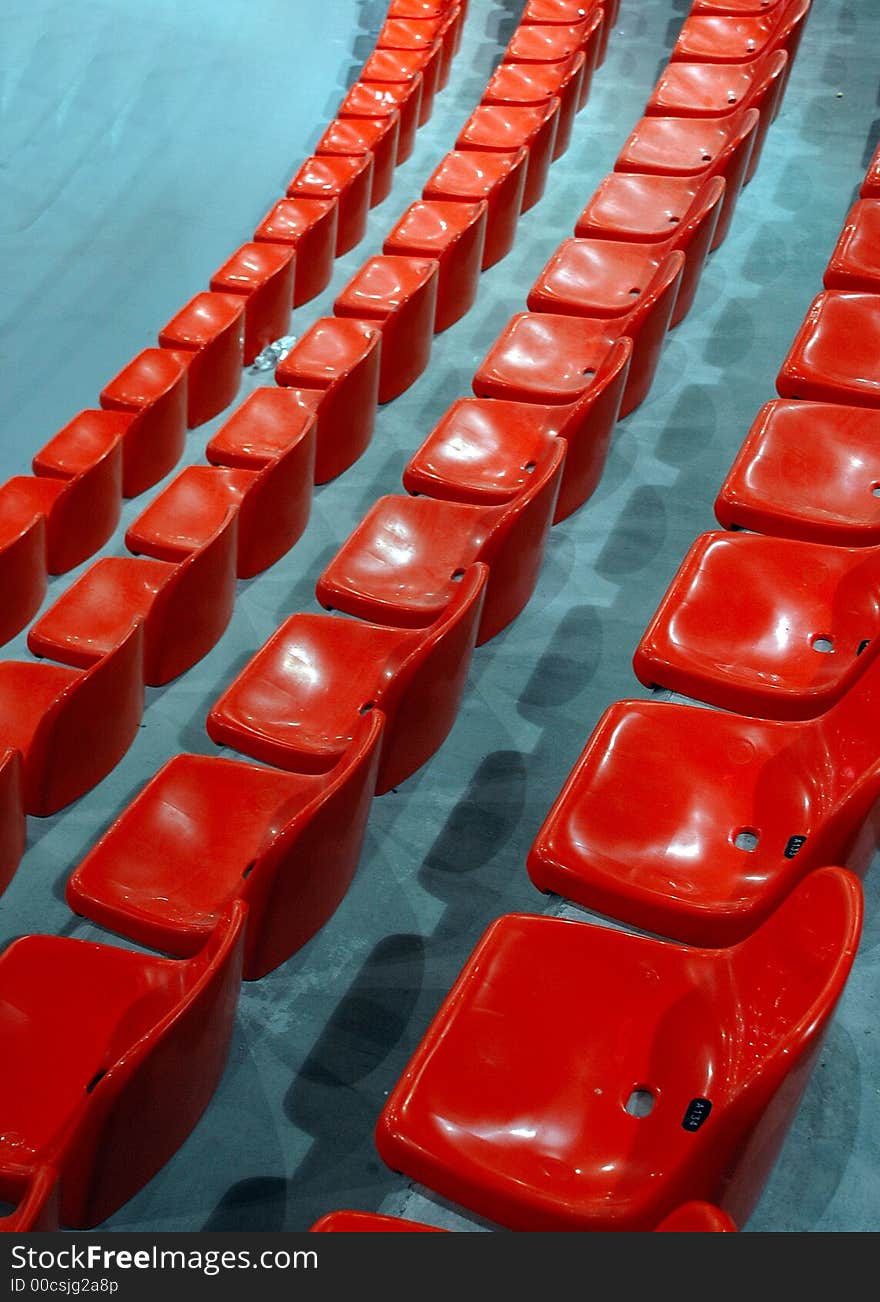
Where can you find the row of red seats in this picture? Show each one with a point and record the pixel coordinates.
(67, 509)
(322, 813)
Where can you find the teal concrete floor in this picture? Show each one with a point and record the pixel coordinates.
(144, 145)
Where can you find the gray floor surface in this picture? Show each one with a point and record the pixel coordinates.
(141, 146)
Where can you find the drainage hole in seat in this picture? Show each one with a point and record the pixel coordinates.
(457, 576)
(674, 220)
(875, 489)
(99, 1075)
(367, 707)
(640, 1102)
(707, 158)
(731, 98)
(747, 839)
(530, 466)
(250, 868)
(589, 370)
(635, 292)
(863, 645)
(823, 644)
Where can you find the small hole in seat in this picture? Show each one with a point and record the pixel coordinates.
(707, 158)
(863, 645)
(674, 219)
(635, 292)
(640, 1102)
(367, 707)
(99, 1075)
(589, 370)
(250, 868)
(457, 576)
(747, 840)
(823, 644)
(731, 98)
(875, 489)
(529, 466)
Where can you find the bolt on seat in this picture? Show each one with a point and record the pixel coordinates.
(510, 127)
(310, 226)
(454, 235)
(150, 396)
(581, 1078)
(771, 627)
(470, 176)
(13, 830)
(345, 178)
(207, 335)
(398, 294)
(206, 831)
(835, 355)
(296, 703)
(263, 274)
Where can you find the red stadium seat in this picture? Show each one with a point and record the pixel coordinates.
(394, 66)
(835, 355)
(599, 22)
(296, 703)
(311, 226)
(266, 425)
(32, 1192)
(870, 187)
(549, 358)
(697, 1218)
(529, 84)
(86, 456)
(399, 295)
(71, 726)
(508, 128)
(469, 176)
(550, 42)
(807, 470)
(738, 37)
(12, 820)
(421, 34)
(855, 262)
(348, 180)
(545, 1110)
(206, 831)
(737, 7)
(184, 608)
(208, 337)
(368, 1223)
(403, 563)
(772, 627)
(381, 99)
(454, 234)
(484, 450)
(150, 393)
(110, 1058)
(25, 504)
(340, 358)
(263, 274)
(596, 278)
(359, 136)
(697, 824)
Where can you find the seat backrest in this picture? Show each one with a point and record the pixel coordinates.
(278, 503)
(149, 1099)
(600, 403)
(518, 519)
(849, 730)
(85, 514)
(13, 830)
(707, 199)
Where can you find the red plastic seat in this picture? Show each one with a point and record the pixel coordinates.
(484, 450)
(110, 1058)
(469, 176)
(86, 455)
(807, 470)
(348, 180)
(549, 358)
(529, 84)
(403, 562)
(420, 34)
(399, 295)
(695, 148)
(265, 426)
(550, 42)
(184, 608)
(24, 507)
(206, 831)
(13, 831)
(311, 226)
(855, 261)
(645, 209)
(272, 504)
(580, 1078)
(599, 20)
(393, 66)
(359, 136)
(596, 278)
(71, 726)
(736, 7)
(697, 824)
(32, 1192)
(772, 627)
(150, 394)
(369, 1223)
(835, 355)
(716, 89)
(297, 702)
(263, 274)
(454, 235)
(738, 37)
(340, 358)
(381, 99)
(508, 128)
(697, 1218)
(208, 337)
(870, 187)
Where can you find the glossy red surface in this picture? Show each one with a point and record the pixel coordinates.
(340, 358)
(601, 278)
(23, 550)
(346, 178)
(695, 147)
(110, 1058)
(807, 470)
(311, 226)
(265, 426)
(208, 336)
(454, 234)
(507, 128)
(538, 83)
(482, 449)
(296, 703)
(377, 136)
(263, 274)
(515, 1103)
(645, 209)
(471, 175)
(421, 34)
(697, 824)
(835, 355)
(558, 11)
(379, 99)
(71, 726)
(87, 456)
(399, 294)
(735, 38)
(404, 561)
(207, 831)
(549, 358)
(152, 390)
(855, 261)
(393, 66)
(697, 1218)
(184, 607)
(13, 832)
(33, 1194)
(870, 187)
(767, 626)
(547, 43)
(368, 1223)
(738, 6)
